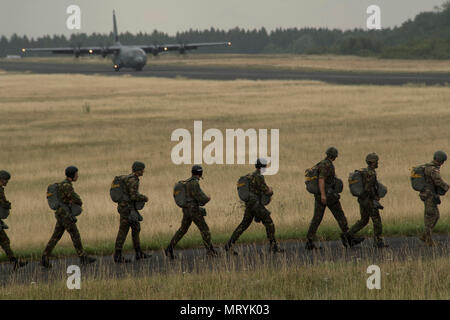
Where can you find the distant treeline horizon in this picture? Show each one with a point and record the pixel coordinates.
(427, 36)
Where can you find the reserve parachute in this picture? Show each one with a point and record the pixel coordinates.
(4, 213)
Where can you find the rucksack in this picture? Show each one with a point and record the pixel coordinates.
(118, 190)
(180, 193)
(52, 196)
(355, 183)
(418, 181)
(312, 180)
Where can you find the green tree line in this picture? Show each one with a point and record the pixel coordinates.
(427, 36)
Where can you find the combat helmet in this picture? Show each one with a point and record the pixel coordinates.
(261, 163)
(371, 158)
(332, 152)
(4, 175)
(197, 170)
(440, 156)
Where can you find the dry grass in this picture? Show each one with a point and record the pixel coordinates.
(265, 279)
(284, 61)
(45, 127)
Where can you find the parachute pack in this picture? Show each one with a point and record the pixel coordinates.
(355, 183)
(118, 190)
(312, 180)
(418, 181)
(243, 189)
(52, 196)
(4, 213)
(55, 203)
(180, 193)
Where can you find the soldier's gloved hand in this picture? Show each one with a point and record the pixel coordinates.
(323, 199)
(145, 199)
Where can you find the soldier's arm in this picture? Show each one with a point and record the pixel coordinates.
(262, 186)
(198, 194)
(437, 179)
(3, 202)
(68, 195)
(133, 190)
(323, 173)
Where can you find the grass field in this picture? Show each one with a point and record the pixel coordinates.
(103, 124)
(266, 280)
(278, 61)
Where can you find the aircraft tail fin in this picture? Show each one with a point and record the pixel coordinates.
(116, 35)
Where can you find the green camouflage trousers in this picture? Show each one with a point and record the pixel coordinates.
(190, 215)
(368, 211)
(5, 244)
(259, 212)
(64, 223)
(431, 216)
(124, 227)
(319, 210)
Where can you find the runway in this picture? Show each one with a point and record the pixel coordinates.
(230, 73)
(250, 257)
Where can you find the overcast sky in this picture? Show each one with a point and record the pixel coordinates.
(39, 17)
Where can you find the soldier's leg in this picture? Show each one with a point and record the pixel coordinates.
(135, 231)
(338, 213)
(5, 244)
(364, 208)
(319, 210)
(185, 224)
(56, 236)
(430, 219)
(377, 226)
(200, 222)
(245, 223)
(72, 229)
(124, 227)
(267, 221)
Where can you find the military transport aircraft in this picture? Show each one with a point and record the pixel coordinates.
(126, 56)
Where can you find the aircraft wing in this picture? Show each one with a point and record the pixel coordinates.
(75, 50)
(155, 49)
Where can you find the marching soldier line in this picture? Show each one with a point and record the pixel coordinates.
(255, 193)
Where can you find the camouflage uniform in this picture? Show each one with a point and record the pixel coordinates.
(4, 240)
(366, 205)
(327, 172)
(430, 198)
(132, 185)
(255, 210)
(65, 221)
(193, 213)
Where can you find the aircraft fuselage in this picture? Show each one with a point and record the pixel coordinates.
(129, 57)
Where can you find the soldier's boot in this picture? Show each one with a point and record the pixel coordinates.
(169, 252)
(380, 244)
(354, 241)
(118, 258)
(275, 248)
(84, 260)
(426, 237)
(18, 264)
(229, 248)
(311, 246)
(212, 252)
(423, 237)
(45, 262)
(141, 255)
(344, 239)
